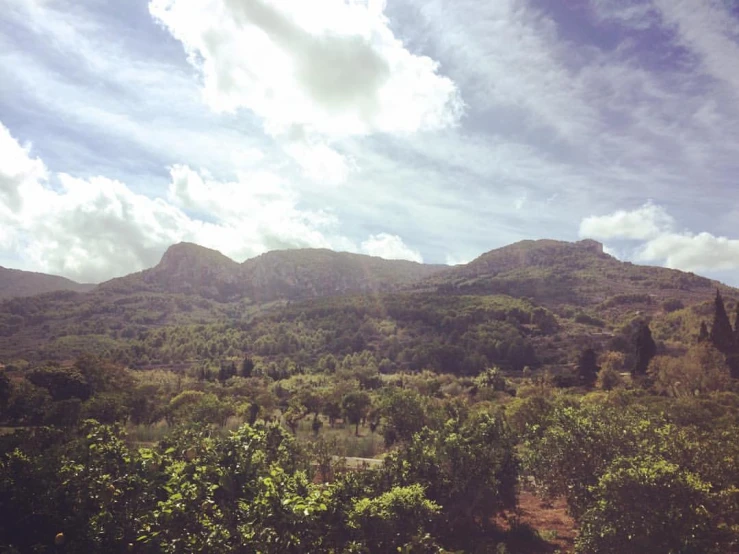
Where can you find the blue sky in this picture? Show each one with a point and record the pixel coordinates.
(419, 129)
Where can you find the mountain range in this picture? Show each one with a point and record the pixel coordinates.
(570, 293)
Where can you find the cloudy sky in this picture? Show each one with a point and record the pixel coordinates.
(430, 130)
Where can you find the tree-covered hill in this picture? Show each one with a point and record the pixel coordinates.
(533, 303)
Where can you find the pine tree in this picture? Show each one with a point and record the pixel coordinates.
(644, 349)
(722, 335)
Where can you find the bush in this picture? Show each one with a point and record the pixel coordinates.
(672, 305)
(647, 504)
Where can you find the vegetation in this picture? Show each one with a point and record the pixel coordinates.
(148, 418)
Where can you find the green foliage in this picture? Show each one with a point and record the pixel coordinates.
(393, 519)
(404, 414)
(647, 504)
(61, 383)
(644, 349)
(468, 468)
(672, 305)
(700, 370)
(355, 406)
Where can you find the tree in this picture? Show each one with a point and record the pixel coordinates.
(404, 415)
(469, 468)
(703, 334)
(647, 504)
(393, 519)
(226, 371)
(644, 349)
(247, 367)
(722, 335)
(700, 370)
(62, 383)
(355, 406)
(587, 367)
(5, 390)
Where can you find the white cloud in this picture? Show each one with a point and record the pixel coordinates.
(390, 247)
(701, 252)
(320, 163)
(96, 228)
(646, 222)
(18, 172)
(660, 242)
(327, 66)
(710, 31)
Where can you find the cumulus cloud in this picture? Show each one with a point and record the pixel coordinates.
(96, 228)
(327, 66)
(660, 242)
(701, 252)
(390, 247)
(647, 222)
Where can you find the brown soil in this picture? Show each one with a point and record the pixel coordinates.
(549, 518)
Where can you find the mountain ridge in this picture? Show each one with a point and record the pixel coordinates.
(19, 283)
(295, 274)
(551, 297)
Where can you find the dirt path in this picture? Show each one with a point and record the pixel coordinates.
(550, 519)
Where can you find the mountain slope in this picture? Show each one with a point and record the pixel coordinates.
(185, 268)
(15, 283)
(530, 303)
(311, 273)
(286, 274)
(556, 273)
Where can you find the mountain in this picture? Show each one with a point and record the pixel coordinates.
(530, 303)
(185, 268)
(311, 273)
(555, 273)
(285, 274)
(15, 283)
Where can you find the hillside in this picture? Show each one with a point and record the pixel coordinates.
(15, 283)
(580, 274)
(286, 274)
(535, 303)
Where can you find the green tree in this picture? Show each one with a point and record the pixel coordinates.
(648, 504)
(247, 367)
(722, 335)
(587, 367)
(644, 348)
(393, 519)
(404, 415)
(62, 383)
(700, 370)
(469, 468)
(703, 334)
(355, 406)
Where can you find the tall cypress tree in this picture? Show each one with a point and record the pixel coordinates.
(722, 335)
(644, 349)
(587, 367)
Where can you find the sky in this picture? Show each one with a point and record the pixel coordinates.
(427, 130)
